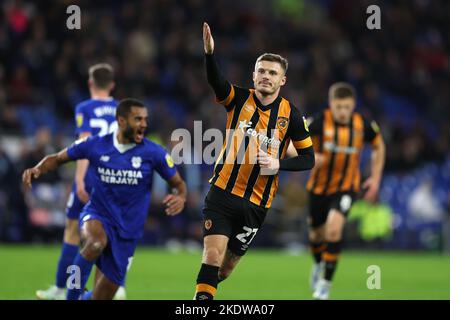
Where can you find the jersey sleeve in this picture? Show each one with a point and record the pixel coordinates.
(164, 164)
(81, 148)
(298, 130)
(81, 120)
(372, 132)
(237, 95)
(225, 92)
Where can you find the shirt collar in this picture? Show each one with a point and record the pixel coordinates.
(102, 99)
(122, 148)
(265, 107)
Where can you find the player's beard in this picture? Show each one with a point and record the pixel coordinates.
(128, 134)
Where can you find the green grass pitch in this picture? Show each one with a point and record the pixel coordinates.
(159, 274)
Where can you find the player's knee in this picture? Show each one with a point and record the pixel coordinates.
(93, 248)
(212, 256)
(333, 234)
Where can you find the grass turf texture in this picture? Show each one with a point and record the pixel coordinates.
(159, 274)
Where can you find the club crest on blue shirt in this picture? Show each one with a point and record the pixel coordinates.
(136, 162)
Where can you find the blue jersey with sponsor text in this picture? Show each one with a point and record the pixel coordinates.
(122, 179)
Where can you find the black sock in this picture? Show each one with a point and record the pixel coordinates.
(317, 248)
(330, 256)
(206, 282)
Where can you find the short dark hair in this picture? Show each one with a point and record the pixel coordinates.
(125, 105)
(102, 75)
(340, 90)
(272, 57)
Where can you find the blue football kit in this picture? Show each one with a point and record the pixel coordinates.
(121, 180)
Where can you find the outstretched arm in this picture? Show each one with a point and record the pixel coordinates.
(175, 201)
(215, 78)
(80, 173)
(49, 163)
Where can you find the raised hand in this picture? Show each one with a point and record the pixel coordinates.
(208, 41)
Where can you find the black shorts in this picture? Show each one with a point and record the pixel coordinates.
(320, 205)
(232, 216)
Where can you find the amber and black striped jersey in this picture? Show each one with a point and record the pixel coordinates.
(342, 146)
(250, 126)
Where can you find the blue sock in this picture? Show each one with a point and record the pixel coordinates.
(87, 295)
(85, 270)
(68, 253)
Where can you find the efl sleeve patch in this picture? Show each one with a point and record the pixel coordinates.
(169, 161)
(375, 127)
(305, 123)
(79, 119)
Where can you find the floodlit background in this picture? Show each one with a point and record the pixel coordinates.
(402, 76)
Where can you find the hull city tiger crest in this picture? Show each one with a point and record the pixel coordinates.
(208, 224)
(282, 122)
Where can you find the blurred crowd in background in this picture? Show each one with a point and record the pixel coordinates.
(401, 73)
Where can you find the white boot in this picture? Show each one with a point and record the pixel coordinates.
(322, 291)
(120, 294)
(52, 293)
(316, 274)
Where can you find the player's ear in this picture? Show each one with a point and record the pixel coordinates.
(254, 75)
(283, 81)
(330, 102)
(112, 86)
(121, 121)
